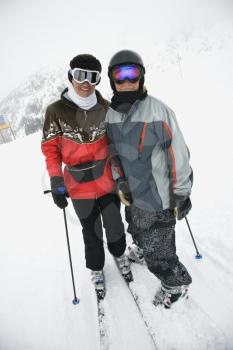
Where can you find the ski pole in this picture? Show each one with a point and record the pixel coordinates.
(75, 300)
(198, 256)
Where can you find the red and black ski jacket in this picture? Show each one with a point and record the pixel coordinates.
(77, 138)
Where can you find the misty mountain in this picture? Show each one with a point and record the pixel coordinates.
(25, 106)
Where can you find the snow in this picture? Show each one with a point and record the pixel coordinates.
(36, 291)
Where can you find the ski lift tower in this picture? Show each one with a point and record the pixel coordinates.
(4, 125)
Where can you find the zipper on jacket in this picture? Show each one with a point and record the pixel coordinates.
(141, 140)
(85, 115)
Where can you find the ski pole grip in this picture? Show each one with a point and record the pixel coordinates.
(47, 191)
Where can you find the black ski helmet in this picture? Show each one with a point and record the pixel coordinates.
(125, 57)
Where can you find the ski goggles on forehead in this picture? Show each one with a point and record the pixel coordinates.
(127, 72)
(82, 75)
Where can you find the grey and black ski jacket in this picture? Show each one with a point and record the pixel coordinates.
(152, 151)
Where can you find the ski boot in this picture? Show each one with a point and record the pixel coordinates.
(97, 278)
(135, 254)
(168, 295)
(124, 266)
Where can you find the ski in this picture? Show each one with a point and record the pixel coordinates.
(150, 330)
(103, 335)
(103, 331)
(97, 278)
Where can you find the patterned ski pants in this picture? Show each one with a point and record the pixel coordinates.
(154, 233)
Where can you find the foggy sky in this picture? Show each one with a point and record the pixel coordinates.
(49, 33)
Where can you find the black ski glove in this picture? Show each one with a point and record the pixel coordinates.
(123, 192)
(182, 206)
(59, 191)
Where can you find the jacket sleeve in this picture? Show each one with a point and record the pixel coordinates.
(116, 166)
(51, 144)
(176, 152)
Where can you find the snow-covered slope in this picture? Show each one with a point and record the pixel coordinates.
(36, 291)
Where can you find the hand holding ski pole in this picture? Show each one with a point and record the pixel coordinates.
(182, 205)
(182, 208)
(59, 191)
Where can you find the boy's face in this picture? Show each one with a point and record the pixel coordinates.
(127, 86)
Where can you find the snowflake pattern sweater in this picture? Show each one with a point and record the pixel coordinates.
(73, 136)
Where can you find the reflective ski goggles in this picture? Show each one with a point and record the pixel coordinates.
(82, 75)
(128, 72)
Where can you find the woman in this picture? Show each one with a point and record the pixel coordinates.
(74, 134)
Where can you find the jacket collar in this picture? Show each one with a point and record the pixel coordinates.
(101, 102)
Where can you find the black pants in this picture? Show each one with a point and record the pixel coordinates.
(154, 232)
(90, 212)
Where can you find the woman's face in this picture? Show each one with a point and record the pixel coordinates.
(83, 89)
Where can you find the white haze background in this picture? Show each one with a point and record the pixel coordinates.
(37, 34)
(188, 51)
